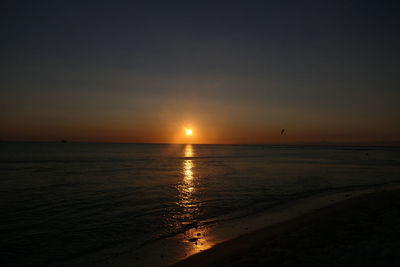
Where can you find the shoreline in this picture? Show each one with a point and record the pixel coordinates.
(197, 241)
(359, 231)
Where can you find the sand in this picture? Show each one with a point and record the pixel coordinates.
(361, 231)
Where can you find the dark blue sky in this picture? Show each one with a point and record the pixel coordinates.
(237, 71)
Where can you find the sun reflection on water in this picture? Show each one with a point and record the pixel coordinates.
(189, 151)
(195, 238)
(187, 188)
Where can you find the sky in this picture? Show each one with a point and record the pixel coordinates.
(233, 71)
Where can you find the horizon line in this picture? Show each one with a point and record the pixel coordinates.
(326, 143)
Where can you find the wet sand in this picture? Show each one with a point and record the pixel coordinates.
(361, 231)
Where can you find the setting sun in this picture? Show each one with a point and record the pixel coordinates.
(189, 132)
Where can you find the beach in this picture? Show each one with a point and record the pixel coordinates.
(361, 231)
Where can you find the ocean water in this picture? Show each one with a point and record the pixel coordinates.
(75, 202)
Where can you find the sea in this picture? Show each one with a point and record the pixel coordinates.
(84, 203)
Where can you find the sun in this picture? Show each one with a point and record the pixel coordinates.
(189, 131)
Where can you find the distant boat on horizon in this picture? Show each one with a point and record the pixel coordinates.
(64, 141)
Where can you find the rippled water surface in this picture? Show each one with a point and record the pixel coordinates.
(68, 201)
